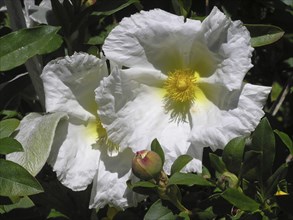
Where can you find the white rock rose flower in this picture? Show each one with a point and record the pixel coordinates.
(181, 82)
(80, 149)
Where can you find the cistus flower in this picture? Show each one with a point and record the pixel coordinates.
(181, 82)
(81, 151)
(146, 165)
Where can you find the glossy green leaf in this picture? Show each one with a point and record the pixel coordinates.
(17, 181)
(189, 179)
(36, 133)
(217, 163)
(142, 187)
(156, 147)
(8, 126)
(240, 200)
(9, 145)
(263, 140)
(286, 140)
(262, 34)
(17, 47)
(159, 212)
(233, 154)
(249, 167)
(179, 163)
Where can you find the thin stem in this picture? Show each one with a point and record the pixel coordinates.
(278, 103)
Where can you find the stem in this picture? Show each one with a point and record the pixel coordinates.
(33, 65)
(278, 103)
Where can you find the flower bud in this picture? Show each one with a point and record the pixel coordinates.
(146, 165)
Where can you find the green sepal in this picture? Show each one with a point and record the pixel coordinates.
(179, 163)
(156, 147)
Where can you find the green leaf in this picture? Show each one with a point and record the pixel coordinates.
(179, 163)
(182, 7)
(106, 12)
(286, 140)
(9, 145)
(262, 34)
(233, 154)
(276, 91)
(8, 126)
(17, 47)
(217, 163)
(249, 167)
(159, 212)
(156, 147)
(184, 216)
(36, 133)
(142, 187)
(263, 140)
(273, 181)
(145, 184)
(10, 114)
(17, 181)
(23, 203)
(188, 179)
(240, 200)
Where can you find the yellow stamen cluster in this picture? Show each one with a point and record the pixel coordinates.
(103, 138)
(181, 85)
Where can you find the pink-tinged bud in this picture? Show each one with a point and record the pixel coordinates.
(146, 165)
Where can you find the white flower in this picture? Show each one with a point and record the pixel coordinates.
(80, 149)
(182, 83)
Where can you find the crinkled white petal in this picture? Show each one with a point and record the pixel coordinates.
(131, 112)
(74, 154)
(174, 139)
(229, 41)
(153, 39)
(215, 125)
(69, 84)
(109, 187)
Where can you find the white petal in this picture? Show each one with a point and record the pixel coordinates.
(174, 141)
(131, 112)
(69, 84)
(152, 39)
(110, 186)
(215, 125)
(230, 43)
(74, 154)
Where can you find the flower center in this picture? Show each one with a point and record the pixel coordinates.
(181, 85)
(104, 140)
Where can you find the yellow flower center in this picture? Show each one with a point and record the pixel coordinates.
(103, 138)
(181, 86)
